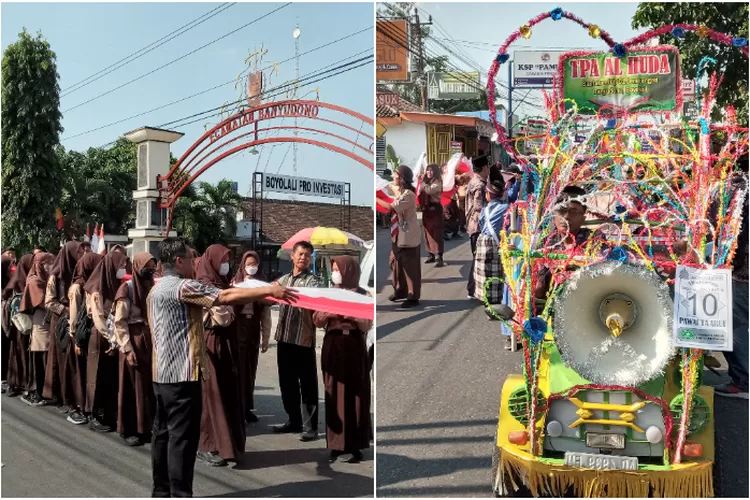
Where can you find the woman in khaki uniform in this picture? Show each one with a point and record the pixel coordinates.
(406, 238)
(32, 303)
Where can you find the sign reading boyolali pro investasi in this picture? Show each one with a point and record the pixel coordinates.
(641, 81)
(703, 308)
(302, 186)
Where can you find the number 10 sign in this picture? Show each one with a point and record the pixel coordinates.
(703, 308)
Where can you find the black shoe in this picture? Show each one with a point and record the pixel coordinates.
(394, 298)
(409, 303)
(212, 459)
(50, 402)
(97, 426)
(335, 454)
(77, 418)
(308, 436)
(447, 237)
(65, 409)
(287, 428)
(355, 458)
(251, 417)
(5, 387)
(13, 392)
(430, 260)
(33, 399)
(440, 262)
(132, 440)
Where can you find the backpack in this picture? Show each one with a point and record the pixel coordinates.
(110, 335)
(21, 321)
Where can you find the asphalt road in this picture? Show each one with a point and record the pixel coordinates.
(440, 368)
(43, 456)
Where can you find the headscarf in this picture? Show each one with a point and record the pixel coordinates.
(85, 268)
(118, 248)
(36, 283)
(17, 282)
(65, 264)
(141, 286)
(437, 174)
(350, 271)
(104, 278)
(208, 268)
(242, 275)
(407, 177)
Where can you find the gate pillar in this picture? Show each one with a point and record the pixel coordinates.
(153, 161)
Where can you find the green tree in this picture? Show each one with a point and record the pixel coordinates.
(730, 18)
(31, 129)
(206, 215)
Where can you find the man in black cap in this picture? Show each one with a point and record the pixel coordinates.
(475, 202)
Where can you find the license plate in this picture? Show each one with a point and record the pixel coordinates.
(600, 462)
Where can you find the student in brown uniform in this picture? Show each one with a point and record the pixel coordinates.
(32, 303)
(7, 262)
(222, 424)
(19, 343)
(136, 401)
(77, 304)
(433, 218)
(57, 382)
(346, 372)
(253, 333)
(102, 359)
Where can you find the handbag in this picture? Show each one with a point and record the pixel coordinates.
(61, 332)
(21, 321)
(83, 328)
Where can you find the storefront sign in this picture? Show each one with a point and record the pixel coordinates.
(642, 81)
(456, 85)
(251, 116)
(688, 88)
(302, 186)
(391, 48)
(690, 110)
(388, 99)
(703, 308)
(456, 147)
(535, 68)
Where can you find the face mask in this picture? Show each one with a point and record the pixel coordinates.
(120, 274)
(251, 270)
(336, 278)
(224, 269)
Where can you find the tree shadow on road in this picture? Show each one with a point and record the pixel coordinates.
(427, 308)
(394, 469)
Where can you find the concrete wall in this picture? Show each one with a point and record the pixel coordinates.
(409, 140)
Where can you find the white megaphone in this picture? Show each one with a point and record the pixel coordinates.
(613, 324)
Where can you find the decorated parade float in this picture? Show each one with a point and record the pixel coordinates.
(610, 400)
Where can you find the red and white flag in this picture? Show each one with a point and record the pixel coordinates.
(328, 300)
(101, 247)
(95, 239)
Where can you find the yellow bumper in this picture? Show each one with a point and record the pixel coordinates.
(546, 477)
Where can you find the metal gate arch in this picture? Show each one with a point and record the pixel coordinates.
(210, 148)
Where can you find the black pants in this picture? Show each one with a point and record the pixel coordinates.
(174, 443)
(470, 283)
(298, 376)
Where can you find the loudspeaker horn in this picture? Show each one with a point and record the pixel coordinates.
(613, 324)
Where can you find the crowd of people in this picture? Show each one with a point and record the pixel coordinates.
(166, 350)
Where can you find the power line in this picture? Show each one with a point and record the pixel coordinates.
(145, 50)
(276, 92)
(179, 58)
(117, 122)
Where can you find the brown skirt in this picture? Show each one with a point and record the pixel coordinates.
(248, 351)
(406, 272)
(222, 422)
(101, 379)
(433, 222)
(52, 385)
(346, 378)
(136, 401)
(18, 359)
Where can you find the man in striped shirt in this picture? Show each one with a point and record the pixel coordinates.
(295, 334)
(176, 305)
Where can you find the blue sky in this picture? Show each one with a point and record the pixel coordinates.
(488, 25)
(87, 37)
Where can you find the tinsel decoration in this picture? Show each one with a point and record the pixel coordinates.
(703, 31)
(502, 58)
(619, 50)
(739, 42)
(556, 14)
(525, 31)
(678, 32)
(594, 31)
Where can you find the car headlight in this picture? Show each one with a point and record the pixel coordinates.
(654, 435)
(554, 428)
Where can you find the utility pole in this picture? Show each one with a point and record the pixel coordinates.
(296, 33)
(420, 63)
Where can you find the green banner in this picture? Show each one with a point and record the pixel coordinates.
(641, 81)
